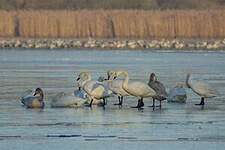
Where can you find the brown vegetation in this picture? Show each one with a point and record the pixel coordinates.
(111, 4)
(113, 24)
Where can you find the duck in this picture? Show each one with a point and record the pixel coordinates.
(34, 101)
(137, 89)
(159, 88)
(200, 88)
(95, 90)
(116, 86)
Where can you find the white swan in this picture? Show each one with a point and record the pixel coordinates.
(137, 89)
(200, 88)
(72, 100)
(116, 86)
(94, 89)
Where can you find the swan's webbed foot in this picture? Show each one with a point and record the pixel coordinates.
(202, 103)
(120, 101)
(140, 104)
(118, 104)
(90, 105)
(104, 102)
(153, 104)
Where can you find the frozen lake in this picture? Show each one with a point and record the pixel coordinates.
(175, 127)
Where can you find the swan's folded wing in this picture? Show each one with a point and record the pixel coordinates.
(98, 91)
(68, 100)
(139, 88)
(204, 89)
(159, 88)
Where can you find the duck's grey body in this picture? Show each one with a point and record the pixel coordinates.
(34, 101)
(159, 88)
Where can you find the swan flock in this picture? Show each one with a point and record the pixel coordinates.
(117, 83)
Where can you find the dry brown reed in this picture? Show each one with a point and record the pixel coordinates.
(113, 24)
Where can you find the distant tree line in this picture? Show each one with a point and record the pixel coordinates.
(111, 4)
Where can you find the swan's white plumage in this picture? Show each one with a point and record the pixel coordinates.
(203, 89)
(68, 100)
(200, 88)
(116, 86)
(138, 89)
(95, 90)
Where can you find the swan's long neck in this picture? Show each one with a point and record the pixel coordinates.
(88, 77)
(187, 81)
(42, 96)
(109, 82)
(84, 81)
(126, 80)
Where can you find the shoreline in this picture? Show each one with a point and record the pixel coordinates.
(116, 44)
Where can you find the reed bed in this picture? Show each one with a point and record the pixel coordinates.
(113, 24)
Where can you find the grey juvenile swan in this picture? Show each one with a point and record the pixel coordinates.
(34, 101)
(159, 88)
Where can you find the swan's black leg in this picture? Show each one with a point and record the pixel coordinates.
(90, 105)
(104, 102)
(160, 104)
(202, 103)
(141, 103)
(138, 104)
(153, 103)
(119, 101)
